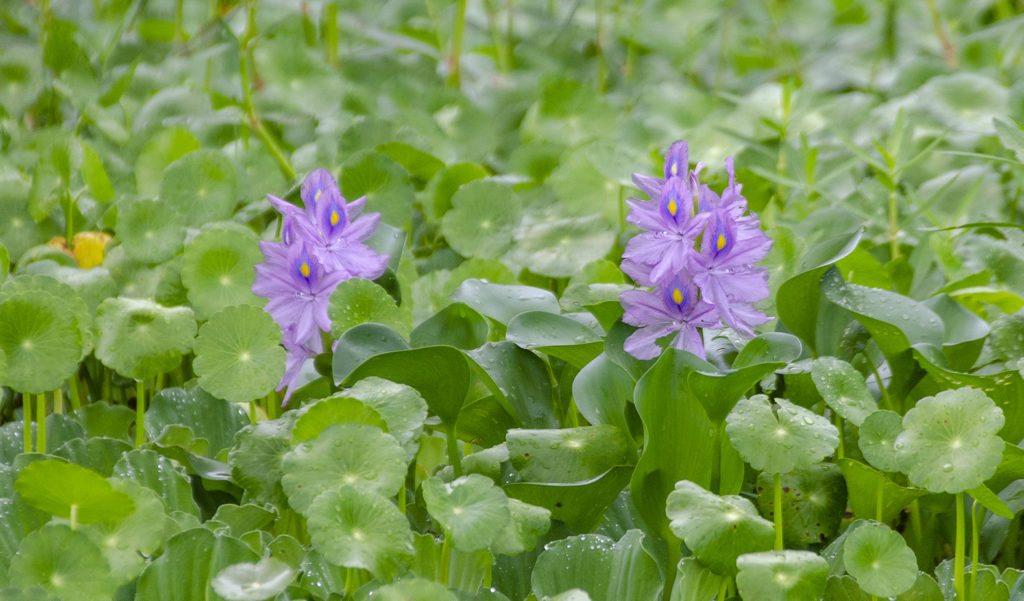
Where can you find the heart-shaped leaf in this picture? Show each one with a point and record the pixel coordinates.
(867, 487)
(569, 454)
(502, 302)
(556, 335)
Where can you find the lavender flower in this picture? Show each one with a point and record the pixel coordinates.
(675, 309)
(701, 264)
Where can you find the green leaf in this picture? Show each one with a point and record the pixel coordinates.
(880, 560)
(185, 569)
(527, 525)
(695, 582)
(447, 182)
(64, 562)
(798, 299)
(343, 455)
(95, 175)
(238, 354)
(843, 389)
(456, 325)
(561, 247)
(780, 438)
(140, 339)
(813, 501)
(521, 378)
(249, 581)
(337, 409)
(126, 543)
(1007, 336)
(677, 437)
(162, 149)
(439, 373)
(607, 570)
(356, 528)
(472, 510)
(1011, 134)
(569, 454)
(201, 186)
(878, 432)
(581, 505)
(414, 589)
(217, 268)
(360, 343)
(358, 301)
(503, 302)
(40, 339)
(60, 488)
(401, 406)
(865, 485)
(990, 501)
(150, 230)
(481, 221)
(782, 576)
(159, 474)
(206, 416)
(949, 442)
(717, 529)
(256, 457)
(555, 335)
(97, 453)
(383, 181)
(420, 164)
(769, 347)
(602, 391)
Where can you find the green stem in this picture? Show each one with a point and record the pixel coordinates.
(976, 510)
(674, 554)
(330, 17)
(894, 226)
(179, 21)
(140, 413)
(41, 422)
(510, 35)
(947, 47)
(443, 568)
(74, 516)
(841, 450)
(69, 218)
(26, 411)
(958, 560)
(58, 401)
(723, 590)
(886, 401)
(778, 512)
(253, 412)
(453, 450)
(271, 401)
(73, 393)
(456, 57)
(350, 582)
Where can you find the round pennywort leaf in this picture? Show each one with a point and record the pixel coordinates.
(781, 437)
(59, 488)
(239, 355)
(782, 576)
(880, 560)
(471, 509)
(139, 338)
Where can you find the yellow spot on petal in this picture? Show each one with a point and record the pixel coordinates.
(334, 218)
(316, 196)
(721, 241)
(672, 207)
(675, 169)
(677, 296)
(304, 268)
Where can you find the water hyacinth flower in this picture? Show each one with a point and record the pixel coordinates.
(321, 245)
(697, 252)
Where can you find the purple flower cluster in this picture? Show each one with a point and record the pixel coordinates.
(321, 246)
(697, 252)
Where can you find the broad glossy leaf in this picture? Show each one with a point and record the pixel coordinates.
(158, 473)
(602, 391)
(569, 454)
(98, 453)
(964, 332)
(209, 418)
(190, 561)
(843, 388)
(606, 569)
(521, 378)
(717, 529)
(527, 525)
(865, 485)
(782, 576)
(770, 347)
(343, 455)
(880, 560)
(695, 582)
(798, 298)
(238, 354)
(140, 339)
(361, 342)
(555, 335)
(580, 505)
(64, 562)
(217, 268)
(439, 373)
(357, 528)
(472, 510)
(358, 301)
(503, 302)
(456, 325)
(61, 489)
(949, 442)
(1007, 337)
(780, 438)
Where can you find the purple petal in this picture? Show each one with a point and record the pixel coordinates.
(677, 160)
(689, 339)
(651, 186)
(642, 343)
(316, 187)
